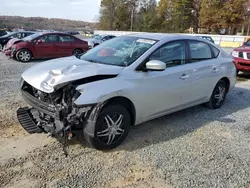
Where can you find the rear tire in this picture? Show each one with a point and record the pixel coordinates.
(77, 52)
(111, 128)
(218, 96)
(23, 55)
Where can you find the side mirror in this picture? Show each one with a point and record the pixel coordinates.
(155, 65)
(39, 41)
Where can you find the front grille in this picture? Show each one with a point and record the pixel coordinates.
(51, 98)
(244, 64)
(248, 55)
(241, 54)
(39, 100)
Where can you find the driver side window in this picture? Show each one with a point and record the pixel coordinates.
(172, 53)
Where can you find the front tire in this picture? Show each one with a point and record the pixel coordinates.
(218, 96)
(111, 128)
(23, 55)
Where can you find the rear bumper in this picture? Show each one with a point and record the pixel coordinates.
(242, 64)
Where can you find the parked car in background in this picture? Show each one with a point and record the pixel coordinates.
(19, 35)
(47, 45)
(122, 82)
(242, 57)
(3, 32)
(207, 38)
(73, 32)
(98, 39)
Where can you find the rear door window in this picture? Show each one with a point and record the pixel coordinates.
(199, 51)
(66, 38)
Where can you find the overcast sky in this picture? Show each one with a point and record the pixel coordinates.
(85, 10)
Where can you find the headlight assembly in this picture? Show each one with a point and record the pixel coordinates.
(235, 54)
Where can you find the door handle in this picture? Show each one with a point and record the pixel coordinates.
(184, 76)
(215, 69)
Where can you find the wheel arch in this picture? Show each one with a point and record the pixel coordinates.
(125, 102)
(227, 81)
(77, 48)
(32, 55)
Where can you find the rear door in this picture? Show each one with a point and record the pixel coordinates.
(66, 45)
(45, 46)
(205, 68)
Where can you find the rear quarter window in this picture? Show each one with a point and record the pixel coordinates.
(215, 51)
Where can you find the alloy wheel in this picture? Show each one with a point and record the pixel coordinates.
(219, 95)
(112, 128)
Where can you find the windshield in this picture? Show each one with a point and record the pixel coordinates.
(31, 37)
(98, 37)
(120, 51)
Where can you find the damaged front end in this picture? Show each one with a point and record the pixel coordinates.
(54, 113)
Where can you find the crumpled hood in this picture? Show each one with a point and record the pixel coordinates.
(12, 41)
(45, 76)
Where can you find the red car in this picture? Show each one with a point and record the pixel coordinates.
(242, 57)
(46, 45)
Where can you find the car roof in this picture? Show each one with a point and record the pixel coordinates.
(56, 32)
(162, 36)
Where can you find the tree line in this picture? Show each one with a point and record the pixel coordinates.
(34, 23)
(207, 16)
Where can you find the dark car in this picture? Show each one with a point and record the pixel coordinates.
(20, 34)
(207, 38)
(72, 32)
(47, 45)
(3, 32)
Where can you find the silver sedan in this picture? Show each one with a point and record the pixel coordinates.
(124, 81)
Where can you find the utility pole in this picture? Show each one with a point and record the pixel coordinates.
(248, 26)
(248, 23)
(132, 18)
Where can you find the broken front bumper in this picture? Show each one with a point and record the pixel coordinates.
(40, 105)
(25, 118)
(83, 117)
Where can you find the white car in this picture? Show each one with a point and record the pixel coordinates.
(98, 39)
(123, 82)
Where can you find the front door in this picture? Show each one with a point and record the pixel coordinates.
(45, 46)
(164, 91)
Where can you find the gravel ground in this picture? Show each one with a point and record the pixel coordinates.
(196, 147)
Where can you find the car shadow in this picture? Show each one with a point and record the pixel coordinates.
(243, 76)
(178, 124)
